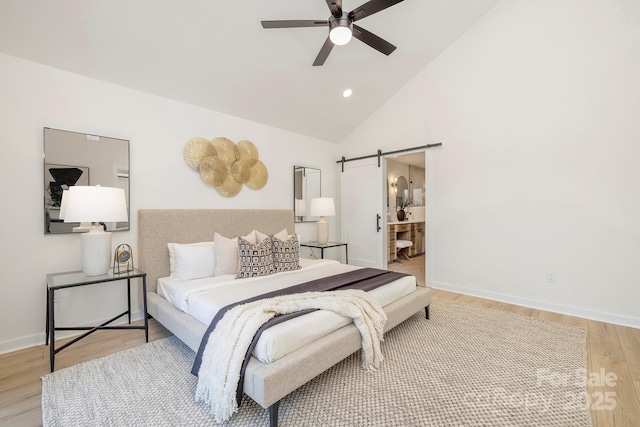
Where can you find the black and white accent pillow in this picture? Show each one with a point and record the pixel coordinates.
(255, 260)
(286, 254)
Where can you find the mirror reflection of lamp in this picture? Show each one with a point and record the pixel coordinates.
(322, 206)
(301, 208)
(95, 205)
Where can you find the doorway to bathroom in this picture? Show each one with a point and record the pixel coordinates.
(406, 214)
(372, 196)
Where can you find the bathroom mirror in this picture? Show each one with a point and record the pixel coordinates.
(402, 190)
(73, 158)
(417, 184)
(306, 186)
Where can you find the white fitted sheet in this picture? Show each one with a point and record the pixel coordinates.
(202, 298)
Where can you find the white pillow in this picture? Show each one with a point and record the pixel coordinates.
(282, 235)
(227, 257)
(172, 254)
(194, 261)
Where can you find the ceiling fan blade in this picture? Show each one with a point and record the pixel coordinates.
(372, 40)
(370, 7)
(294, 24)
(335, 6)
(324, 53)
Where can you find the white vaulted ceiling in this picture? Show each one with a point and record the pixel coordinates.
(216, 55)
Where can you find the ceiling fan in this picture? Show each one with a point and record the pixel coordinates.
(342, 28)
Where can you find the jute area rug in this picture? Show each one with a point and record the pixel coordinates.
(466, 366)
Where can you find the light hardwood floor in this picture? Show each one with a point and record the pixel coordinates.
(20, 371)
(414, 266)
(611, 348)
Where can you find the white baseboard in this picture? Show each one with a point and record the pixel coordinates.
(39, 339)
(541, 305)
(22, 342)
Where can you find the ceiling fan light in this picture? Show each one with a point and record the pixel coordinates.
(340, 29)
(340, 35)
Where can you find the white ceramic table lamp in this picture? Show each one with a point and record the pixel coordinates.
(322, 206)
(95, 204)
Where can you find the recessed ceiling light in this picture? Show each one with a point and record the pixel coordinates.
(347, 93)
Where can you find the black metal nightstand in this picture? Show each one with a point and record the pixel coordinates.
(70, 279)
(323, 246)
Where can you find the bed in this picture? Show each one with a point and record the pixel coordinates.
(265, 383)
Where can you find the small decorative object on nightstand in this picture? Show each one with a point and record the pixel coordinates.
(122, 259)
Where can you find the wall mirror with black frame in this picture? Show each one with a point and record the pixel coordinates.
(306, 186)
(73, 158)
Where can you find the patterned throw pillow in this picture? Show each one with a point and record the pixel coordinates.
(286, 254)
(255, 260)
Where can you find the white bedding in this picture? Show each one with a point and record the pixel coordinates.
(202, 298)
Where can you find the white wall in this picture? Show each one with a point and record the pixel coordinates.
(34, 96)
(537, 106)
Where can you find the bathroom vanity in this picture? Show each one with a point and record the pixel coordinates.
(412, 230)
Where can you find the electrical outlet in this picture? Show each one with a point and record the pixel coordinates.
(551, 277)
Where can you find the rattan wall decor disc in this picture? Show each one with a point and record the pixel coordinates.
(230, 187)
(225, 165)
(241, 171)
(213, 171)
(226, 149)
(247, 152)
(259, 176)
(197, 149)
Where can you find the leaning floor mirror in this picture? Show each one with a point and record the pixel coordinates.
(73, 158)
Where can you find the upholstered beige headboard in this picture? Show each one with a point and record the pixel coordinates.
(157, 227)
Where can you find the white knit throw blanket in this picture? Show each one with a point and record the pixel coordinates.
(228, 343)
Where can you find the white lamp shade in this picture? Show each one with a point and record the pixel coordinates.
(84, 226)
(322, 206)
(95, 204)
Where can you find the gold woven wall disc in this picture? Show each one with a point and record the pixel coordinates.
(225, 149)
(213, 171)
(225, 165)
(241, 170)
(259, 176)
(230, 187)
(197, 149)
(247, 151)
